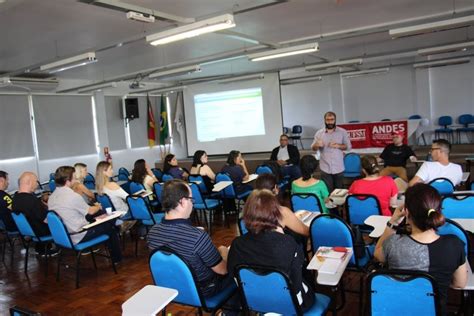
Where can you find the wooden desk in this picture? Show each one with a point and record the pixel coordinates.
(149, 301)
(326, 278)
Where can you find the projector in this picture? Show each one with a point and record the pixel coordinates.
(136, 85)
(137, 16)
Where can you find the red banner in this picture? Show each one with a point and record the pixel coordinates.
(374, 134)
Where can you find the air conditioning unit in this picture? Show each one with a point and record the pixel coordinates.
(32, 84)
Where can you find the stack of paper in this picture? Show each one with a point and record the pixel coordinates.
(331, 259)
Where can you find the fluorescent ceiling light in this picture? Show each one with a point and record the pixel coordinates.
(242, 78)
(283, 52)
(69, 63)
(175, 72)
(160, 90)
(98, 87)
(443, 62)
(432, 27)
(347, 62)
(445, 49)
(375, 71)
(299, 80)
(210, 25)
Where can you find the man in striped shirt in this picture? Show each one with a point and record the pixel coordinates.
(191, 243)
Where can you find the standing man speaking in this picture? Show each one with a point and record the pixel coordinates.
(331, 142)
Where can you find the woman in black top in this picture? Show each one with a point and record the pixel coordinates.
(266, 245)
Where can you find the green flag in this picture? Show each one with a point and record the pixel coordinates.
(164, 133)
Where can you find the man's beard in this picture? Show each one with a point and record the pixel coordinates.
(330, 126)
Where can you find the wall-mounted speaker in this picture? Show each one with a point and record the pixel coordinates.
(131, 108)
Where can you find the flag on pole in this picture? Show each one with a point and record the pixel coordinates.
(151, 123)
(164, 133)
(179, 117)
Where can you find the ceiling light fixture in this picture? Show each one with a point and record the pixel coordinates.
(432, 27)
(69, 63)
(375, 71)
(442, 62)
(160, 90)
(348, 62)
(210, 25)
(283, 52)
(98, 87)
(175, 72)
(242, 78)
(300, 80)
(445, 49)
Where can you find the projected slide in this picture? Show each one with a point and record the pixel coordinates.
(229, 114)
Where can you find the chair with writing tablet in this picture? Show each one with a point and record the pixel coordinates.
(461, 206)
(442, 185)
(203, 204)
(305, 201)
(170, 270)
(402, 292)
(157, 173)
(89, 182)
(123, 174)
(359, 207)
(352, 165)
(166, 177)
(445, 121)
(269, 290)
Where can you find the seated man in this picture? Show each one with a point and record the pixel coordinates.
(191, 243)
(440, 167)
(6, 204)
(27, 203)
(395, 157)
(288, 158)
(72, 209)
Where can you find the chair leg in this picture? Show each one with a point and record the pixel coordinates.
(93, 258)
(199, 311)
(27, 248)
(110, 257)
(46, 259)
(59, 265)
(78, 262)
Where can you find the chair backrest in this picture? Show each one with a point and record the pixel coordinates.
(453, 228)
(89, 181)
(158, 173)
(23, 225)
(296, 129)
(286, 130)
(197, 196)
(445, 120)
(361, 206)
(328, 230)
(105, 201)
(263, 169)
(385, 120)
(414, 117)
(442, 185)
(242, 228)
(139, 208)
(158, 190)
(123, 174)
(401, 292)
(352, 163)
(58, 230)
(229, 191)
(51, 176)
(458, 206)
(266, 290)
(166, 177)
(135, 187)
(353, 121)
(171, 271)
(465, 119)
(305, 201)
(471, 187)
(52, 185)
(199, 180)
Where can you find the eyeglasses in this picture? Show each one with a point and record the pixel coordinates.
(189, 198)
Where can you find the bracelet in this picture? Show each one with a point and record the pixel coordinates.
(391, 226)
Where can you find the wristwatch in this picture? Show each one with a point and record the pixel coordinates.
(391, 226)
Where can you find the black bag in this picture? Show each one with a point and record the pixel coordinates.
(359, 243)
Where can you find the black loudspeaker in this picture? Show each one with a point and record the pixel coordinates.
(131, 108)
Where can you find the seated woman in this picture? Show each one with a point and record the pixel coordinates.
(383, 187)
(441, 256)
(200, 167)
(237, 171)
(142, 174)
(266, 244)
(78, 186)
(170, 166)
(288, 219)
(308, 184)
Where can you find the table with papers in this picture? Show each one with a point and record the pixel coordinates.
(330, 264)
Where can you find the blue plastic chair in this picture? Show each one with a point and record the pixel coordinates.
(229, 192)
(89, 182)
(415, 117)
(295, 136)
(123, 174)
(169, 270)
(135, 187)
(361, 206)
(450, 227)
(51, 176)
(140, 210)
(157, 173)
(9, 237)
(465, 120)
(352, 165)
(267, 290)
(263, 169)
(442, 185)
(242, 228)
(52, 185)
(402, 292)
(166, 177)
(198, 179)
(158, 191)
(458, 206)
(21, 311)
(305, 201)
(28, 235)
(202, 204)
(62, 239)
(445, 121)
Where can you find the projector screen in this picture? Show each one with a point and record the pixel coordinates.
(244, 116)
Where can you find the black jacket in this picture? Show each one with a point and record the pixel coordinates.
(293, 152)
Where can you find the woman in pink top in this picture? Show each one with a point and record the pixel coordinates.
(383, 187)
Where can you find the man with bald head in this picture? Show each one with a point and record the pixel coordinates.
(27, 203)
